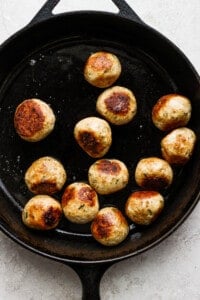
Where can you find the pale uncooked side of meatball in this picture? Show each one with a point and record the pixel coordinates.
(94, 136)
(80, 203)
(109, 227)
(42, 212)
(46, 175)
(102, 69)
(34, 120)
(117, 105)
(177, 147)
(108, 176)
(171, 111)
(143, 207)
(153, 173)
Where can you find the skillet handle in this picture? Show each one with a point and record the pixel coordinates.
(46, 11)
(90, 276)
(126, 11)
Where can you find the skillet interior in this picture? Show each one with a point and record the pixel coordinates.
(46, 61)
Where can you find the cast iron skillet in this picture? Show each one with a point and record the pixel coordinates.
(45, 60)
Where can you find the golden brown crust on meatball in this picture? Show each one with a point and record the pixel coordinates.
(171, 111)
(46, 175)
(94, 136)
(102, 69)
(109, 227)
(177, 147)
(29, 118)
(153, 173)
(107, 176)
(80, 203)
(117, 104)
(143, 207)
(42, 212)
(107, 166)
(33, 120)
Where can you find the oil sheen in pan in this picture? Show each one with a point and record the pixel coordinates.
(55, 74)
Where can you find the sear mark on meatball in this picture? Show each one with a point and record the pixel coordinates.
(118, 103)
(108, 167)
(51, 216)
(103, 225)
(161, 102)
(29, 118)
(68, 195)
(145, 194)
(154, 182)
(88, 195)
(100, 62)
(47, 187)
(89, 142)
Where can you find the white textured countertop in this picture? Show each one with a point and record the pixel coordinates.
(171, 270)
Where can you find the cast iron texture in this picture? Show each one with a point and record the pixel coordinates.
(45, 60)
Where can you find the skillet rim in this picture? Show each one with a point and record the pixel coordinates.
(33, 23)
(104, 261)
(193, 202)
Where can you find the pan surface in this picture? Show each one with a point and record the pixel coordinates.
(48, 64)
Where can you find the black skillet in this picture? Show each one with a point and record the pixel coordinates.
(45, 60)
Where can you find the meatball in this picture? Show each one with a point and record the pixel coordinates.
(153, 173)
(109, 227)
(46, 175)
(177, 147)
(42, 212)
(102, 69)
(171, 111)
(117, 104)
(34, 120)
(143, 207)
(80, 203)
(107, 176)
(94, 136)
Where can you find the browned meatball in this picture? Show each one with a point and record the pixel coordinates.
(34, 120)
(109, 227)
(177, 147)
(153, 173)
(171, 111)
(143, 207)
(117, 104)
(102, 69)
(80, 203)
(107, 176)
(46, 175)
(94, 136)
(42, 212)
